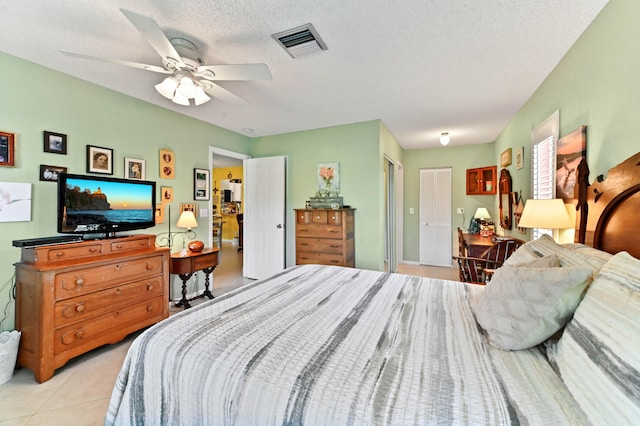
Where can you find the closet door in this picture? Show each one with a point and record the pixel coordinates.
(435, 217)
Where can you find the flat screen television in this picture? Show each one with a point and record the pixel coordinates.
(104, 205)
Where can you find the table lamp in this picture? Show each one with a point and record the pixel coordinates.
(481, 215)
(188, 220)
(546, 214)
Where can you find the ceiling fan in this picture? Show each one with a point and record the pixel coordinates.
(189, 77)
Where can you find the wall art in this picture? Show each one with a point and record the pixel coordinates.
(51, 173)
(134, 168)
(570, 150)
(99, 160)
(55, 143)
(519, 158)
(166, 194)
(7, 147)
(167, 164)
(505, 158)
(15, 202)
(201, 184)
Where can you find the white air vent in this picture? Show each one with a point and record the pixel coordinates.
(300, 40)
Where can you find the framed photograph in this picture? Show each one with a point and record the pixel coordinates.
(134, 168)
(520, 158)
(166, 194)
(55, 143)
(188, 206)
(570, 150)
(201, 184)
(167, 164)
(505, 158)
(99, 160)
(7, 146)
(51, 173)
(159, 213)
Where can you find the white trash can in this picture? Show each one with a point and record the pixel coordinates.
(9, 342)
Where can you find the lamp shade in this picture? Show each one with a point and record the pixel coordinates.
(187, 220)
(444, 138)
(168, 87)
(545, 214)
(201, 97)
(482, 213)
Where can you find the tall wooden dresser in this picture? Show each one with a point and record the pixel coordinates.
(74, 297)
(325, 236)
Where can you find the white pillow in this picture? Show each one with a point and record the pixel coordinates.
(598, 355)
(523, 306)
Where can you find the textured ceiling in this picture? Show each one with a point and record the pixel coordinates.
(421, 66)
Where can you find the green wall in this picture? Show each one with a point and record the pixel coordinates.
(356, 147)
(459, 158)
(596, 84)
(35, 99)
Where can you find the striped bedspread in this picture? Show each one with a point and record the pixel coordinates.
(323, 345)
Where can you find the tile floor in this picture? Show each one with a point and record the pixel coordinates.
(79, 392)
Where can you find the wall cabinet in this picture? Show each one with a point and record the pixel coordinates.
(482, 180)
(72, 298)
(325, 236)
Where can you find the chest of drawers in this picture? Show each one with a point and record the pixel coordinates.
(72, 298)
(325, 236)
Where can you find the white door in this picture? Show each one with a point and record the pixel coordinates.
(264, 217)
(435, 217)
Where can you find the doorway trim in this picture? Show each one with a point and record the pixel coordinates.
(213, 151)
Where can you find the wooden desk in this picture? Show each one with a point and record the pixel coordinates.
(477, 244)
(185, 266)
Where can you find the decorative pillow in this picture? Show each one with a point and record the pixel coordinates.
(550, 261)
(521, 307)
(568, 254)
(598, 355)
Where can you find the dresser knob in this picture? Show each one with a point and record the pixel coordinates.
(317, 217)
(119, 291)
(59, 254)
(149, 287)
(80, 307)
(79, 334)
(150, 308)
(80, 282)
(93, 250)
(148, 267)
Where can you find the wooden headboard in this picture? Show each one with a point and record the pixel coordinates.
(608, 210)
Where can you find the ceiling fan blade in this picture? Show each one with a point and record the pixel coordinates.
(235, 72)
(151, 31)
(153, 68)
(221, 93)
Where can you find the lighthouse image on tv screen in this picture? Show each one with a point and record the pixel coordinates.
(106, 205)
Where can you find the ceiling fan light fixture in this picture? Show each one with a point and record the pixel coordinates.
(187, 87)
(201, 97)
(167, 88)
(180, 99)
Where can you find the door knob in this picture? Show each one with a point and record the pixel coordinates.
(279, 226)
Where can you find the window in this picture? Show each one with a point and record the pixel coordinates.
(543, 163)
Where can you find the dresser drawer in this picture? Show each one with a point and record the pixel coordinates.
(303, 216)
(321, 258)
(321, 245)
(87, 280)
(83, 307)
(136, 244)
(206, 261)
(319, 216)
(315, 230)
(86, 332)
(69, 253)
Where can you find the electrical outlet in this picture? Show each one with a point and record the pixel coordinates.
(460, 210)
(411, 210)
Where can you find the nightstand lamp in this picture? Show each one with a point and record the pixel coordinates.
(546, 214)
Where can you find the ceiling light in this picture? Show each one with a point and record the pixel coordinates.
(168, 87)
(201, 97)
(444, 138)
(181, 91)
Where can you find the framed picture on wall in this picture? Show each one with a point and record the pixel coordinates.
(134, 168)
(7, 144)
(505, 158)
(519, 158)
(201, 184)
(51, 173)
(166, 194)
(99, 160)
(55, 143)
(167, 164)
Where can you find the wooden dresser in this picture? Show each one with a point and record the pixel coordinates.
(325, 236)
(74, 297)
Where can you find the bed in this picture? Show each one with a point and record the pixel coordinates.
(330, 345)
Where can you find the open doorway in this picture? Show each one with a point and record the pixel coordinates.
(225, 218)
